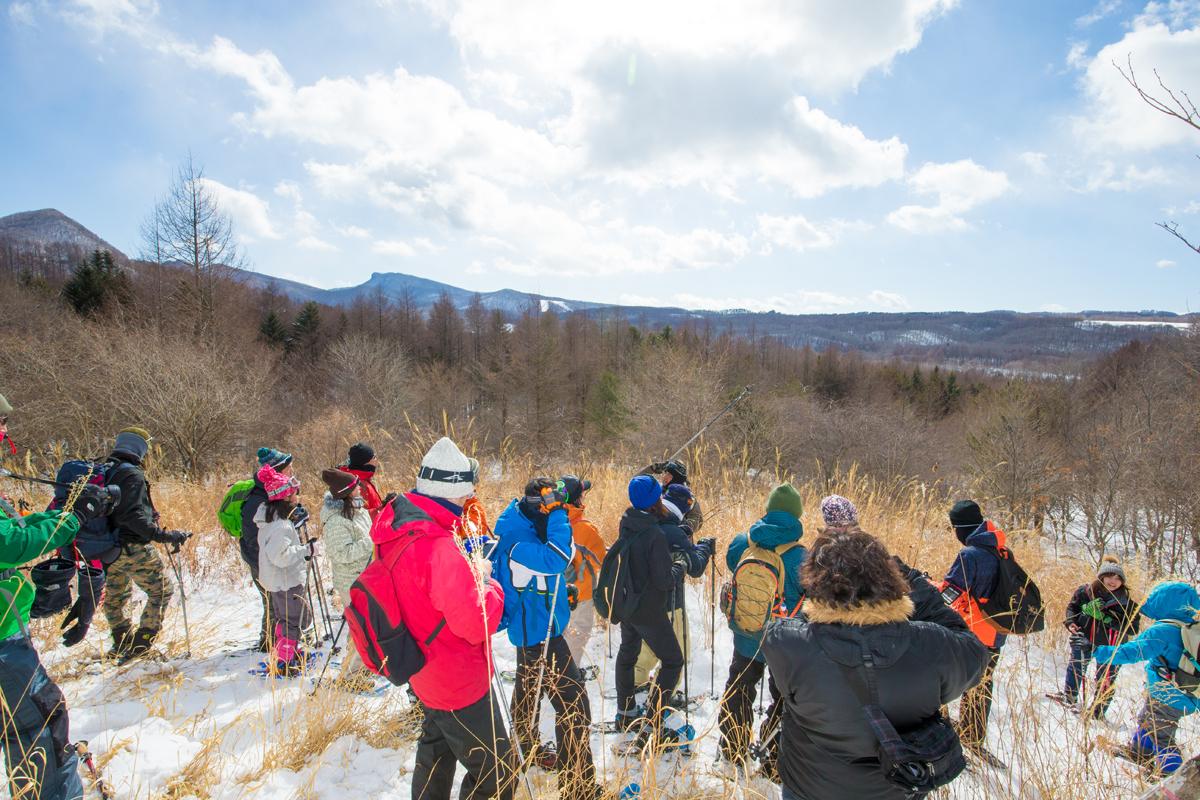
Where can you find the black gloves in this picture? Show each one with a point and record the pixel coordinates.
(708, 546)
(299, 515)
(92, 502)
(171, 537)
(77, 622)
(572, 596)
(679, 566)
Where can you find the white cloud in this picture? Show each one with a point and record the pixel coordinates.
(958, 187)
(1036, 162)
(21, 14)
(1107, 176)
(1166, 38)
(889, 300)
(315, 243)
(1077, 55)
(1164, 263)
(1103, 9)
(1193, 207)
(352, 231)
(800, 302)
(831, 46)
(393, 247)
(250, 213)
(798, 233)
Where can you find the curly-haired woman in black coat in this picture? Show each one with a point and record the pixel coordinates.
(861, 600)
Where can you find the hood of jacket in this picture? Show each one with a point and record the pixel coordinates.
(412, 507)
(1174, 600)
(983, 536)
(636, 521)
(776, 528)
(331, 505)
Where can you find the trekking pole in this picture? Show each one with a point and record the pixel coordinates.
(711, 422)
(315, 577)
(712, 593)
(187, 631)
(498, 686)
(332, 651)
(687, 692)
(6, 473)
(85, 755)
(545, 651)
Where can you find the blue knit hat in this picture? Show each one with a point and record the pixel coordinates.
(679, 500)
(275, 458)
(644, 492)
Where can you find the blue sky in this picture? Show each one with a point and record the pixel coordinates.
(804, 157)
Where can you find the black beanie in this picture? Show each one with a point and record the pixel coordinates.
(966, 516)
(360, 455)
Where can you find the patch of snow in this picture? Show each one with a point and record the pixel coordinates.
(1096, 324)
(922, 338)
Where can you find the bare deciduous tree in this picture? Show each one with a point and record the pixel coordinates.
(190, 228)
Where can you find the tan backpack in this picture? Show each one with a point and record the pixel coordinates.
(756, 590)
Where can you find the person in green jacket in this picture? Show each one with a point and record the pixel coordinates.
(40, 763)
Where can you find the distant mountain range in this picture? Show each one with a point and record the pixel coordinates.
(994, 339)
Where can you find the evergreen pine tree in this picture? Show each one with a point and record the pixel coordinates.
(305, 335)
(96, 285)
(272, 330)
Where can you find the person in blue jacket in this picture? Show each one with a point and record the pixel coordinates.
(532, 550)
(780, 530)
(1171, 605)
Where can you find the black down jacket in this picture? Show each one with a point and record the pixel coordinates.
(924, 658)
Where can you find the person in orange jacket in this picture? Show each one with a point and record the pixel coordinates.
(474, 521)
(968, 586)
(585, 566)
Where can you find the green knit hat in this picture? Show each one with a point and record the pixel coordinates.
(5, 408)
(784, 497)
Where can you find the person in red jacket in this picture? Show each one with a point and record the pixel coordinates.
(362, 465)
(452, 611)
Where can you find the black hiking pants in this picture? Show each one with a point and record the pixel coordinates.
(660, 638)
(266, 634)
(976, 706)
(464, 737)
(563, 683)
(736, 718)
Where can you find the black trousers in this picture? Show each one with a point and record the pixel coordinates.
(563, 683)
(976, 706)
(660, 638)
(464, 736)
(736, 718)
(266, 636)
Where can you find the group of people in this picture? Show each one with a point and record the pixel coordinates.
(857, 642)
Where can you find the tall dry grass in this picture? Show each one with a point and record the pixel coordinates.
(909, 516)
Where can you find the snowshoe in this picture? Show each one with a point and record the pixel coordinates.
(981, 756)
(630, 791)
(303, 662)
(622, 723)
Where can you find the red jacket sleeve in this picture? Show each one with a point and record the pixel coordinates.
(453, 594)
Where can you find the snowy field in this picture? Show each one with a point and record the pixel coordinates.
(204, 727)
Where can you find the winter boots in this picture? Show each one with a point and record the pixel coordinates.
(140, 643)
(122, 641)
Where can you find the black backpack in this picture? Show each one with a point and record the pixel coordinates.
(615, 597)
(1015, 606)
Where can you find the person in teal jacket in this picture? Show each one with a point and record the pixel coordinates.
(38, 758)
(779, 530)
(1160, 646)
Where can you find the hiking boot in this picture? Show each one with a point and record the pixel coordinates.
(629, 720)
(122, 641)
(140, 642)
(546, 756)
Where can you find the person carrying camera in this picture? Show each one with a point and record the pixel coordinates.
(39, 760)
(874, 647)
(136, 522)
(671, 473)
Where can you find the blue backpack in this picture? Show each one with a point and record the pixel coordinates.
(97, 540)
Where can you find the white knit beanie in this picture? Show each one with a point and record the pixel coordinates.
(445, 472)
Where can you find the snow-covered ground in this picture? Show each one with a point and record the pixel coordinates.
(203, 727)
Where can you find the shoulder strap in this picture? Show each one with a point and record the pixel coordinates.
(786, 548)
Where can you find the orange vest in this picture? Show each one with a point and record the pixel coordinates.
(588, 545)
(971, 608)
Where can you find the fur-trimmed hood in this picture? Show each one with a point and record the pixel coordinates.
(883, 613)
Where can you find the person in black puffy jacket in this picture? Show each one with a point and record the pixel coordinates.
(1099, 613)
(860, 597)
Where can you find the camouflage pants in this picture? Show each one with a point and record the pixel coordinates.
(142, 565)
